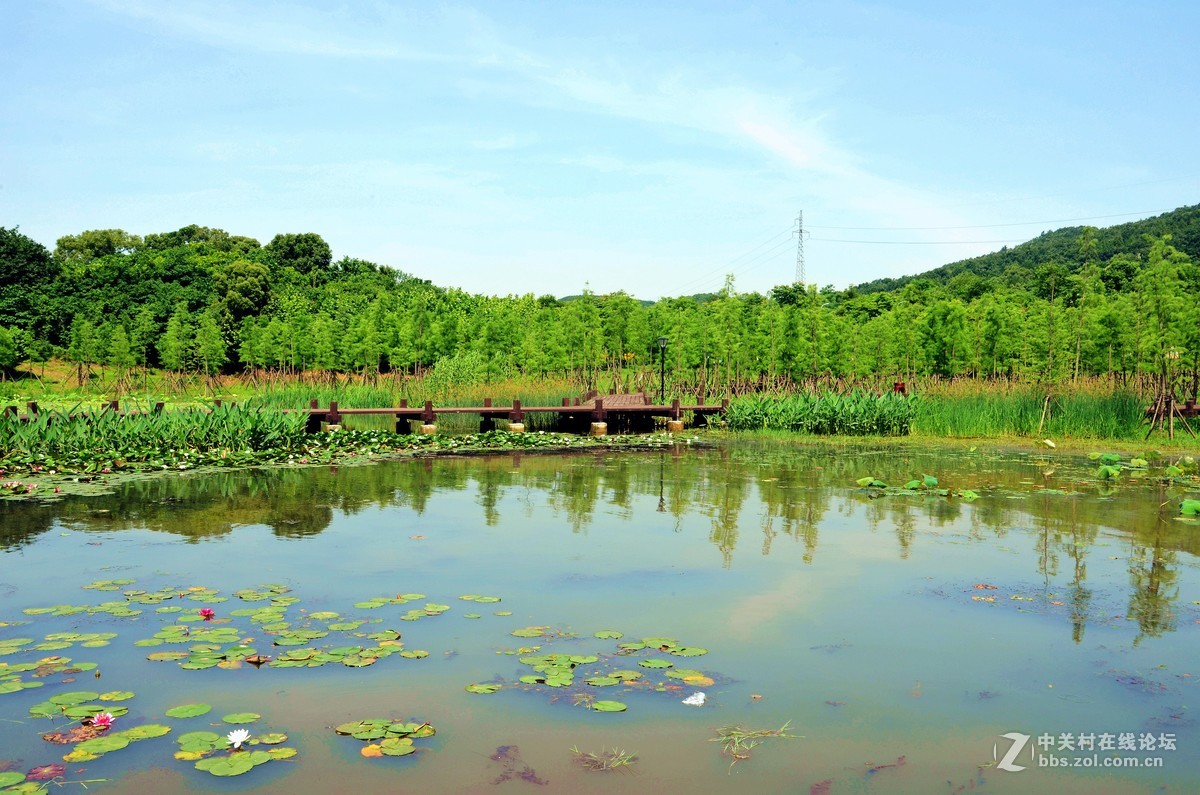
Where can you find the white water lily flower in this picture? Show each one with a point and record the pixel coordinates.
(237, 737)
(695, 700)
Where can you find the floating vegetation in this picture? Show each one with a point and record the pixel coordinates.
(394, 738)
(483, 689)
(603, 762)
(737, 742)
(110, 741)
(926, 485)
(189, 711)
(227, 755)
(513, 766)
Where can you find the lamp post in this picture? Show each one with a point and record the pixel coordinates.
(662, 369)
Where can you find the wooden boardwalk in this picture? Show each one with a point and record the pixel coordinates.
(624, 410)
(633, 411)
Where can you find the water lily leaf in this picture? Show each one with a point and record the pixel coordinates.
(189, 710)
(626, 675)
(10, 777)
(356, 726)
(232, 765)
(529, 632)
(472, 615)
(116, 695)
(602, 681)
(482, 689)
(609, 634)
(632, 646)
(1140, 463)
(282, 753)
(397, 746)
(165, 656)
(271, 738)
(655, 663)
(871, 483)
(241, 717)
(147, 731)
(1190, 508)
(76, 697)
(688, 651)
(414, 654)
(929, 481)
(412, 729)
(608, 706)
(503, 613)
(200, 741)
(1172, 471)
(103, 745)
(88, 710)
(967, 495)
(583, 659)
(371, 751)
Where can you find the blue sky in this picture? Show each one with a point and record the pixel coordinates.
(652, 147)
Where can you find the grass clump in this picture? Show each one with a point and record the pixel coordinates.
(605, 761)
(738, 742)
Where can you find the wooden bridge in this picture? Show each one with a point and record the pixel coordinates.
(625, 411)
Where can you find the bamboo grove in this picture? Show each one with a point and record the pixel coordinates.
(202, 300)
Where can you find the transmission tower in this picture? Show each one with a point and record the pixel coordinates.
(800, 248)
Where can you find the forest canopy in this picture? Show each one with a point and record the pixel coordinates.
(1072, 302)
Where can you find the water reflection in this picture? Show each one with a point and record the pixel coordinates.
(774, 489)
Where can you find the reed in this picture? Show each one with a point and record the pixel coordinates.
(857, 413)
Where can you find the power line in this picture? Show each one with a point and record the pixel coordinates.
(799, 248)
(710, 275)
(914, 242)
(985, 226)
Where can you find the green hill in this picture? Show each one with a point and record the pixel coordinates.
(1062, 247)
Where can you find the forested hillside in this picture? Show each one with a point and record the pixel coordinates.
(1072, 303)
(1060, 248)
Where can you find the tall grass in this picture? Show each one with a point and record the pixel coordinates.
(969, 413)
(857, 413)
(58, 437)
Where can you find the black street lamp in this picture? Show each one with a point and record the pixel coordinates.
(662, 369)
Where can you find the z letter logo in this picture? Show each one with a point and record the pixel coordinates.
(1018, 743)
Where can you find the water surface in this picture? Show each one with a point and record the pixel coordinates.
(855, 618)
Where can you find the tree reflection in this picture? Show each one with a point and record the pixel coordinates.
(782, 489)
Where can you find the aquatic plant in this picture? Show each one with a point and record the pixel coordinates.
(857, 413)
(603, 762)
(737, 742)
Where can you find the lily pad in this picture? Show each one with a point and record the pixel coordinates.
(189, 710)
(232, 765)
(655, 663)
(10, 777)
(241, 717)
(482, 689)
(609, 634)
(116, 695)
(608, 706)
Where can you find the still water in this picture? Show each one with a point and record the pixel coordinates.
(898, 637)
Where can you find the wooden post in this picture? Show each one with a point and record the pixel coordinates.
(403, 403)
(333, 418)
(516, 414)
(675, 412)
(33, 408)
(427, 416)
(158, 407)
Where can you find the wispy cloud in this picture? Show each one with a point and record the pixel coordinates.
(266, 28)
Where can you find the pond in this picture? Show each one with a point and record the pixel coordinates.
(902, 642)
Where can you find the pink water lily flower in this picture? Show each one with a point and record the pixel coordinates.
(102, 720)
(207, 613)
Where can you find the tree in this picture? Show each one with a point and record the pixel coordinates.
(307, 253)
(173, 345)
(26, 272)
(210, 345)
(242, 288)
(8, 350)
(119, 353)
(93, 244)
(82, 348)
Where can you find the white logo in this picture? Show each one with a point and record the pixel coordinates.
(1018, 743)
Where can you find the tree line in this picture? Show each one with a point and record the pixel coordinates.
(201, 299)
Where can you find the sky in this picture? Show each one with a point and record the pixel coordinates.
(651, 147)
